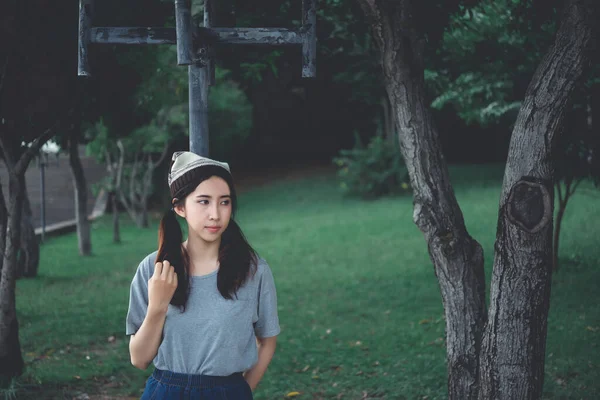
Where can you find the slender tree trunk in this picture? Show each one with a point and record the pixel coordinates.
(514, 345)
(456, 256)
(80, 185)
(115, 214)
(28, 258)
(144, 215)
(11, 360)
(562, 204)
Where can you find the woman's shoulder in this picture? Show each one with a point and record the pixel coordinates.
(262, 267)
(146, 266)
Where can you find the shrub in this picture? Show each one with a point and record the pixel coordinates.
(372, 171)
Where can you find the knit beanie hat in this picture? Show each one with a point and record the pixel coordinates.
(185, 167)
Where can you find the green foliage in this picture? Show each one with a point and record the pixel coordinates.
(229, 117)
(99, 141)
(253, 72)
(164, 96)
(372, 171)
(487, 57)
(476, 98)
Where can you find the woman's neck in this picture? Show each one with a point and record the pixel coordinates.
(204, 256)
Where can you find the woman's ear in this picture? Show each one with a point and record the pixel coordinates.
(179, 208)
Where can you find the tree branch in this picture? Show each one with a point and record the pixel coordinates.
(34, 149)
(163, 155)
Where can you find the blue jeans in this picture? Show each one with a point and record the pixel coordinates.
(167, 385)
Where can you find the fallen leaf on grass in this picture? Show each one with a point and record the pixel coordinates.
(591, 328)
(293, 394)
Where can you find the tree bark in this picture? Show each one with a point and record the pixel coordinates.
(456, 256)
(80, 185)
(28, 258)
(504, 360)
(11, 360)
(3, 225)
(514, 345)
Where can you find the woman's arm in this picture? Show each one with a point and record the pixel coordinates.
(143, 346)
(266, 349)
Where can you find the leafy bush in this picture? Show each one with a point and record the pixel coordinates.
(372, 171)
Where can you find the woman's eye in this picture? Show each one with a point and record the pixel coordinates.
(225, 202)
(203, 201)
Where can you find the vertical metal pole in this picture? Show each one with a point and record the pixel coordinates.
(199, 79)
(43, 188)
(309, 42)
(208, 6)
(198, 99)
(85, 24)
(183, 21)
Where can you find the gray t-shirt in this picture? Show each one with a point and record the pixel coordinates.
(214, 336)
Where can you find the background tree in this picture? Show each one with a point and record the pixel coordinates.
(490, 93)
(482, 361)
(36, 92)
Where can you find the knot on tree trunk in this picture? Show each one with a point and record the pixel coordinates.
(448, 241)
(529, 205)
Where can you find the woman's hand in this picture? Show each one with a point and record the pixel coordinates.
(161, 287)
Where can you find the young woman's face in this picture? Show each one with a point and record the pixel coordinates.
(207, 209)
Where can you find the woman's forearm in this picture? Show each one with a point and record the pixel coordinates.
(266, 349)
(143, 346)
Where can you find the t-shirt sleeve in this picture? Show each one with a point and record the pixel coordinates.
(268, 320)
(138, 297)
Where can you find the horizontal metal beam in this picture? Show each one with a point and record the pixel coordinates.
(136, 35)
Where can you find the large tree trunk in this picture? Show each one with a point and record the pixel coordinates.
(514, 345)
(504, 361)
(11, 360)
(456, 256)
(79, 182)
(28, 259)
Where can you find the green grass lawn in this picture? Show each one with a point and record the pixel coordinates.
(359, 304)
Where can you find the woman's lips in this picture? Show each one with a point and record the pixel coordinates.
(213, 229)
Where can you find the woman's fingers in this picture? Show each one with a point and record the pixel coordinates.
(165, 271)
(158, 267)
(172, 275)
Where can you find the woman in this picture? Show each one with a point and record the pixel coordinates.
(198, 308)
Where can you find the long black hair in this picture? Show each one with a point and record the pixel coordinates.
(237, 258)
